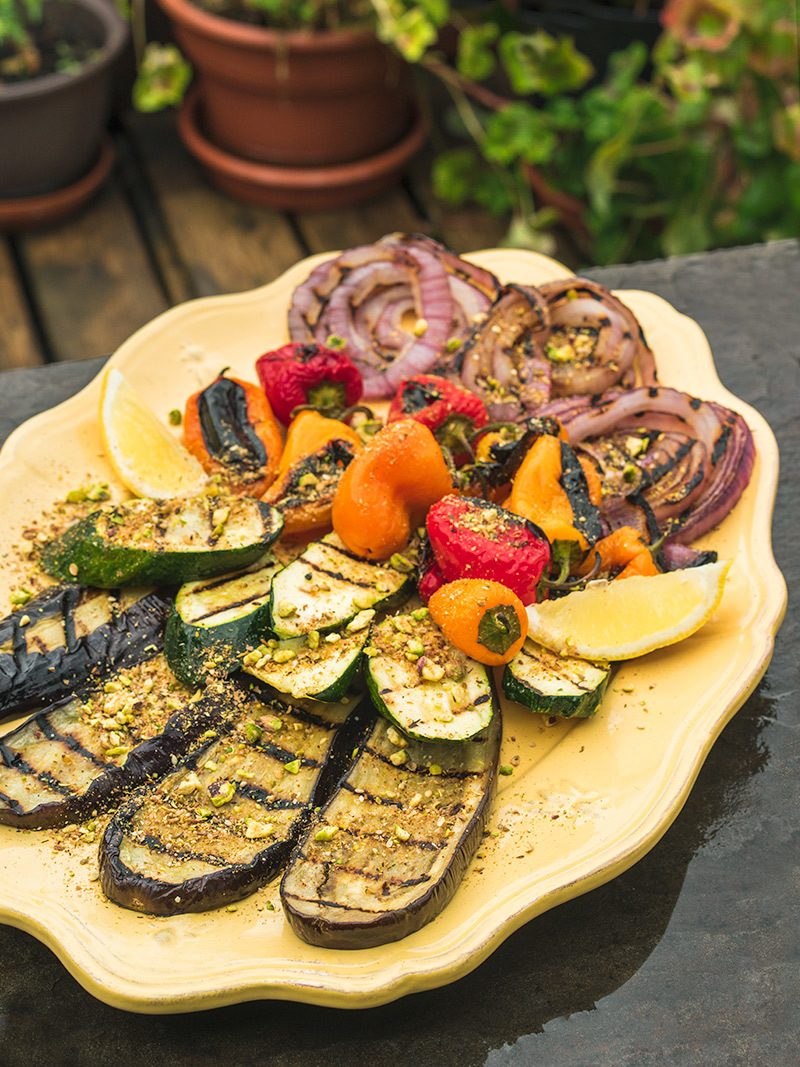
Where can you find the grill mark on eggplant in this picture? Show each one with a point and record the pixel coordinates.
(421, 771)
(341, 893)
(252, 862)
(155, 844)
(49, 731)
(126, 638)
(20, 764)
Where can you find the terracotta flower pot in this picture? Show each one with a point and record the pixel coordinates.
(52, 127)
(293, 98)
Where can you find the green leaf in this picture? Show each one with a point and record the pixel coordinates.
(538, 63)
(476, 59)
(162, 79)
(532, 232)
(453, 175)
(519, 131)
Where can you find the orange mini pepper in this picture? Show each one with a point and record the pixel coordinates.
(538, 494)
(316, 453)
(387, 489)
(483, 619)
(229, 427)
(623, 553)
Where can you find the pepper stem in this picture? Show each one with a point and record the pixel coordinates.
(499, 628)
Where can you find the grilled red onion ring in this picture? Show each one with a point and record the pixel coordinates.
(698, 463)
(596, 342)
(502, 359)
(397, 304)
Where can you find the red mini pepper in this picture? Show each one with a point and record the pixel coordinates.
(449, 411)
(297, 375)
(472, 538)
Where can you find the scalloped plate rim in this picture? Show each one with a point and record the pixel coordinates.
(379, 983)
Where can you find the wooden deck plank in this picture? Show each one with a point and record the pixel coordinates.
(19, 345)
(224, 246)
(327, 231)
(91, 279)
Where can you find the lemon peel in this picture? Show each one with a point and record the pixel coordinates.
(621, 620)
(147, 458)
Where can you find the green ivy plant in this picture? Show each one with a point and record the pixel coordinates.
(702, 152)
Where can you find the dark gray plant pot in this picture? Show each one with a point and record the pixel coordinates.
(51, 127)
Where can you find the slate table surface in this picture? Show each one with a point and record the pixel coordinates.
(692, 957)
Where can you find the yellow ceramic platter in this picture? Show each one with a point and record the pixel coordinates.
(585, 801)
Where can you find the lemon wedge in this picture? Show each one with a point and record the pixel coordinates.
(145, 456)
(628, 618)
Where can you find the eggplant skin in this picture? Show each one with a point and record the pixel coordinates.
(34, 678)
(233, 881)
(327, 922)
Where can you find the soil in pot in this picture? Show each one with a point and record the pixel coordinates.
(52, 125)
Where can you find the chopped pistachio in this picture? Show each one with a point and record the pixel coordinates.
(252, 732)
(255, 828)
(432, 672)
(505, 769)
(401, 834)
(312, 639)
(21, 596)
(24, 620)
(332, 638)
(419, 614)
(395, 736)
(403, 623)
(420, 327)
(190, 783)
(283, 655)
(416, 646)
(399, 757)
(292, 767)
(307, 479)
(361, 621)
(175, 417)
(285, 609)
(204, 813)
(221, 792)
(399, 562)
(326, 833)
(434, 769)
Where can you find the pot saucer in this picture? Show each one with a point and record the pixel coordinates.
(48, 209)
(317, 188)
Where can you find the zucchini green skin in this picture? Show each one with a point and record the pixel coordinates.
(194, 649)
(369, 870)
(326, 674)
(94, 550)
(555, 685)
(320, 589)
(452, 708)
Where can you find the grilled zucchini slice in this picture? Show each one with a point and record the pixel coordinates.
(423, 684)
(214, 619)
(552, 684)
(163, 542)
(389, 849)
(327, 585)
(322, 667)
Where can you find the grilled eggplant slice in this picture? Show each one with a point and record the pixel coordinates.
(79, 756)
(213, 620)
(225, 821)
(163, 542)
(327, 586)
(69, 634)
(388, 850)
